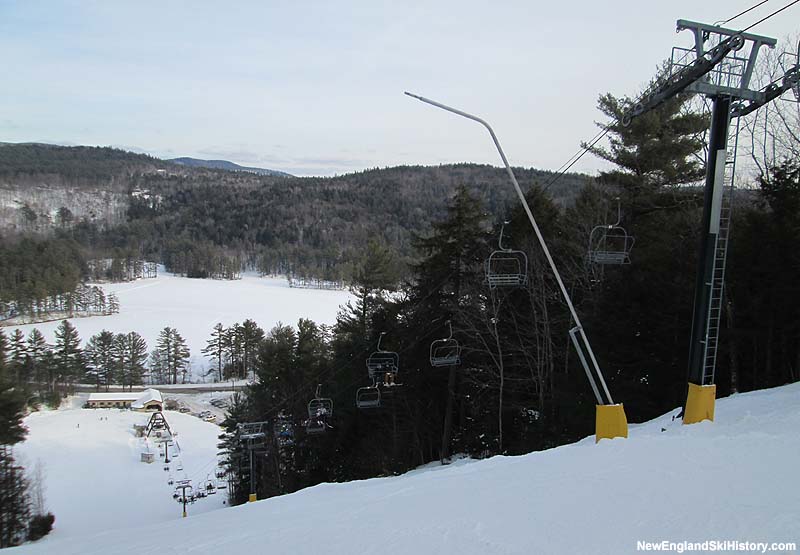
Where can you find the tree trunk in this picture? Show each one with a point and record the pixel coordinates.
(448, 416)
(732, 351)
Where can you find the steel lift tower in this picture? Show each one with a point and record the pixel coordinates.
(253, 434)
(720, 66)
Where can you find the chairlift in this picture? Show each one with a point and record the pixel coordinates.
(446, 352)
(210, 487)
(320, 410)
(220, 473)
(368, 397)
(380, 363)
(284, 430)
(610, 243)
(506, 267)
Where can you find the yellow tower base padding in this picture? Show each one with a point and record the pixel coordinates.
(610, 422)
(252, 498)
(700, 403)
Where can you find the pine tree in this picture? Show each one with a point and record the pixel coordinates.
(452, 258)
(67, 351)
(233, 350)
(276, 371)
(100, 353)
(35, 364)
(215, 348)
(18, 350)
(130, 355)
(171, 355)
(375, 275)
(14, 505)
(657, 149)
(3, 354)
(251, 336)
(112, 304)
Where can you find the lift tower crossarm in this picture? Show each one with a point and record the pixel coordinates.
(702, 31)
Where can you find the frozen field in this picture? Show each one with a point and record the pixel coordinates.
(734, 479)
(194, 306)
(94, 478)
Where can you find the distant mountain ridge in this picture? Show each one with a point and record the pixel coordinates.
(225, 165)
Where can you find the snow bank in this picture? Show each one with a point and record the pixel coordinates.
(733, 479)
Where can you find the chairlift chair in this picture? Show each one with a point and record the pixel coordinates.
(222, 484)
(368, 397)
(506, 267)
(320, 410)
(284, 430)
(445, 352)
(610, 243)
(382, 362)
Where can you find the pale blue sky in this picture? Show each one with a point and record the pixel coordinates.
(316, 87)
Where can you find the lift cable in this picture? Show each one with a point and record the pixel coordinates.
(776, 12)
(602, 133)
(744, 12)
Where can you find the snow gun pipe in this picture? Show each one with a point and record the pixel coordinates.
(542, 242)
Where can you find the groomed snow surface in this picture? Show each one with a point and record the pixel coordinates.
(734, 479)
(195, 306)
(94, 478)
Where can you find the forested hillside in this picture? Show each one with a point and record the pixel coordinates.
(213, 223)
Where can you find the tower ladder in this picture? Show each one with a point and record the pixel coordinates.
(715, 305)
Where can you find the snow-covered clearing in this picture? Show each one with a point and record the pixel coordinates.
(734, 479)
(93, 474)
(194, 306)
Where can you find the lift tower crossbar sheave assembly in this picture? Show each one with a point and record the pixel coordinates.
(610, 417)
